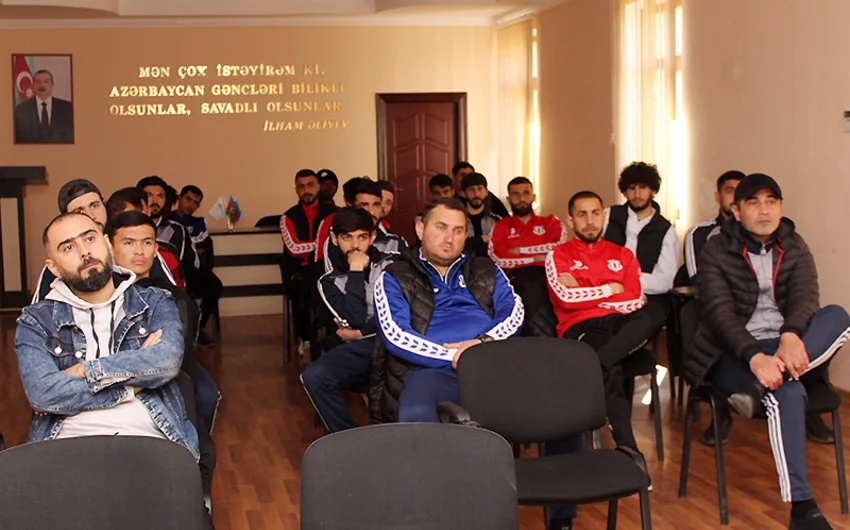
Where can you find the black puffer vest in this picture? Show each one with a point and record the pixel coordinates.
(388, 371)
(650, 239)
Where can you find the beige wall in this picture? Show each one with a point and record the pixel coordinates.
(766, 84)
(231, 154)
(575, 102)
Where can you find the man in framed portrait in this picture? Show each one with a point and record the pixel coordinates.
(44, 118)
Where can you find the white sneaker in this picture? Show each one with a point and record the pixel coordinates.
(304, 352)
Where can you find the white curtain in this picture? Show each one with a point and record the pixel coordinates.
(650, 126)
(515, 101)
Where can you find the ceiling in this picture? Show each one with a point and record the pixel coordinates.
(317, 12)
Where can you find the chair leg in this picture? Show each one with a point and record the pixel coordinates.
(287, 349)
(839, 459)
(645, 512)
(721, 465)
(672, 380)
(686, 447)
(597, 444)
(216, 318)
(656, 407)
(612, 514)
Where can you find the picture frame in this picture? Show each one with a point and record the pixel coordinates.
(42, 98)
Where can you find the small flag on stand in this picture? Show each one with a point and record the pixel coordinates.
(234, 213)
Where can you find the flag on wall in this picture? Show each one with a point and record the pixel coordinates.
(23, 79)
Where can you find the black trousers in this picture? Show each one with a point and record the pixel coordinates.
(205, 283)
(614, 337)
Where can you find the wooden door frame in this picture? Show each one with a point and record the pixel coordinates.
(381, 100)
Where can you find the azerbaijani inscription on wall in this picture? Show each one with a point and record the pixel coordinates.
(284, 97)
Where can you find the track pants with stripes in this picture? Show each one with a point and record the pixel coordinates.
(786, 406)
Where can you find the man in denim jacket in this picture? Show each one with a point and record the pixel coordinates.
(99, 355)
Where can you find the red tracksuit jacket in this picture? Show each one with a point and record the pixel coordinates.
(538, 236)
(593, 268)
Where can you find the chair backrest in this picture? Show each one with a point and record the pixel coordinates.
(415, 476)
(268, 221)
(689, 322)
(126, 482)
(533, 389)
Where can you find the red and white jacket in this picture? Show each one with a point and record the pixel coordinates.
(538, 236)
(594, 268)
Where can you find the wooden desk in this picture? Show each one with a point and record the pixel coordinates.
(247, 261)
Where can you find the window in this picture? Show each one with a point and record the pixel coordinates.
(651, 122)
(519, 123)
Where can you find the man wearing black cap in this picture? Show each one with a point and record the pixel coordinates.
(328, 186)
(761, 329)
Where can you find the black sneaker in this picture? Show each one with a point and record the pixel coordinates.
(817, 431)
(812, 520)
(558, 523)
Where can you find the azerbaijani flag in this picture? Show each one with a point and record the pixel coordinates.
(233, 212)
(22, 72)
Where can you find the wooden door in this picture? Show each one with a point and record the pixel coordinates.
(419, 135)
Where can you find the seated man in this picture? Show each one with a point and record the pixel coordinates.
(113, 371)
(134, 247)
(134, 199)
(441, 185)
(387, 201)
(200, 281)
(347, 292)
(480, 220)
(434, 303)
(639, 226)
(761, 329)
(328, 186)
(491, 202)
(188, 202)
(519, 245)
(597, 296)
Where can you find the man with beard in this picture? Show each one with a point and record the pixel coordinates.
(519, 245)
(493, 204)
(639, 226)
(200, 281)
(299, 227)
(480, 220)
(347, 293)
(100, 355)
(697, 236)
(595, 288)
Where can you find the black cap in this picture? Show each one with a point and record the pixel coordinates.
(73, 189)
(327, 174)
(748, 187)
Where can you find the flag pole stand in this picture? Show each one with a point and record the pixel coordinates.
(230, 225)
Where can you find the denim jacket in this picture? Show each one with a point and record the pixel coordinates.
(48, 341)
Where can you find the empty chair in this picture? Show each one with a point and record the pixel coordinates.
(413, 476)
(126, 482)
(539, 389)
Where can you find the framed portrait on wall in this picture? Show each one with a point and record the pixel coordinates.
(42, 92)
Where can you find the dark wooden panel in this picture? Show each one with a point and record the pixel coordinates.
(238, 291)
(244, 260)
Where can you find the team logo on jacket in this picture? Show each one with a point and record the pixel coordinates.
(539, 230)
(578, 266)
(461, 281)
(615, 265)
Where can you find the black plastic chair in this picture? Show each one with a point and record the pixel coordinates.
(136, 482)
(822, 398)
(538, 390)
(2, 442)
(416, 476)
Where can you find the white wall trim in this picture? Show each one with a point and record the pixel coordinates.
(435, 20)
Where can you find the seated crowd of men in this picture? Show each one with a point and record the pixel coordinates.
(115, 307)
(120, 329)
(403, 316)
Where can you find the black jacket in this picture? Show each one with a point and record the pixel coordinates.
(650, 239)
(299, 237)
(388, 371)
(729, 293)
